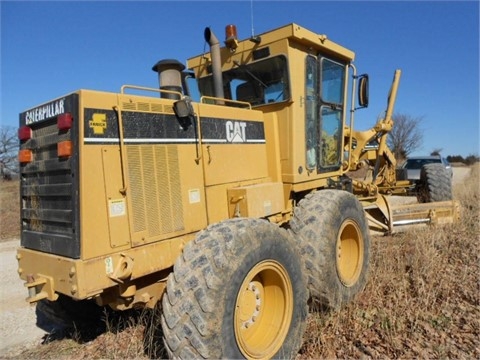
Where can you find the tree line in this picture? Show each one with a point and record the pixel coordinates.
(469, 160)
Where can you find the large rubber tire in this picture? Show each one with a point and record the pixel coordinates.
(237, 291)
(435, 184)
(334, 241)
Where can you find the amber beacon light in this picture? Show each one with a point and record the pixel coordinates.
(231, 37)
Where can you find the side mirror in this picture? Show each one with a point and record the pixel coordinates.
(363, 91)
(184, 112)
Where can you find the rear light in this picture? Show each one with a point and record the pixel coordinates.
(64, 148)
(25, 156)
(64, 121)
(24, 133)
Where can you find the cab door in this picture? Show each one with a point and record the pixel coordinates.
(325, 92)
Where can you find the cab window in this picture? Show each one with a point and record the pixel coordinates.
(332, 81)
(259, 83)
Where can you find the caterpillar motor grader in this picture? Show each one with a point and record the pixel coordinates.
(230, 212)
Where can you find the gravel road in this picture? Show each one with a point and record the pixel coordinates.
(17, 318)
(460, 174)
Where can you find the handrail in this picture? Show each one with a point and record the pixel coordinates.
(122, 148)
(144, 88)
(225, 100)
(352, 115)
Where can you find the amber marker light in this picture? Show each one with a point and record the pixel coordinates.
(25, 156)
(64, 148)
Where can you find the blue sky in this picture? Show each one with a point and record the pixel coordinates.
(49, 49)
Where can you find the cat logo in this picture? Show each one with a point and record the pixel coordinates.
(98, 123)
(236, 131)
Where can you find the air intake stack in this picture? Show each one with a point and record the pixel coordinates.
(169, 77)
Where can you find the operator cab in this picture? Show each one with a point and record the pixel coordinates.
(297, 76)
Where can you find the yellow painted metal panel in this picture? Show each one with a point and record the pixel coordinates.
(119, 230)
(86, 278)
(94, 216)
(259, 200)
(231, 162)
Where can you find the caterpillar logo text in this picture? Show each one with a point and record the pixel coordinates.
(45, 112)
(236, 131)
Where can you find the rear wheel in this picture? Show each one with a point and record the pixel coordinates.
(237, 291)
(65, 317)
(333, 236)
(435, 184)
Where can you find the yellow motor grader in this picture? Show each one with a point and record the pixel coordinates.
(229, 212)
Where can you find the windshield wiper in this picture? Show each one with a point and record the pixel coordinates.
(245, 68)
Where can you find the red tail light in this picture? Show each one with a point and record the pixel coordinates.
(24, 133)
(64, 121)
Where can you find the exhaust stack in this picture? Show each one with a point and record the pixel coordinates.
(216, 62)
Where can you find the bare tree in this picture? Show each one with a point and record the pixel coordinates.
(406, 135)
(436, 152)
(8, 152)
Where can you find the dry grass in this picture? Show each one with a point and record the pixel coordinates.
(130, 335)
(422, 301)
(9, 209)
(422, 298)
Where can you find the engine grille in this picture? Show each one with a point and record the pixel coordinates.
(154, 177)
(48, 221)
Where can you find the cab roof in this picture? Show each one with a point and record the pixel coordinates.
(293, 32)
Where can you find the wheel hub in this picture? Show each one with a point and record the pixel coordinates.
(250, 304)
(263, 310)
(349, 253)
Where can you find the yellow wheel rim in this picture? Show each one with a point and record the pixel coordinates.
(349, 253)
(263, 310)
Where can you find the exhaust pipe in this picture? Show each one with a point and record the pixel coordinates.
(216, 62)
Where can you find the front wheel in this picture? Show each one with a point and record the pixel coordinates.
(435, 184)
(332, 234)
(237, 291)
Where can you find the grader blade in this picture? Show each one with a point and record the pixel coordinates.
(445, 212)
(383, 214)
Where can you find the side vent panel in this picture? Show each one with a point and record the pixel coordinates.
(147, 107)
(155, 192)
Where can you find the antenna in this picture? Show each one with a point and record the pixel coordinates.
(253, 38)
(251, 17)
